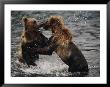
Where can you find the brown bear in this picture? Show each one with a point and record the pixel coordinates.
(31, 38)
(61, 43)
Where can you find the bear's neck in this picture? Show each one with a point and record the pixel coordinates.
(57, 29)
(30, 29)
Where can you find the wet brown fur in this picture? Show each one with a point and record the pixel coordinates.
(30, 38)
(66, 49)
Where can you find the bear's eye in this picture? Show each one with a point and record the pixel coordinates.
(34, 22)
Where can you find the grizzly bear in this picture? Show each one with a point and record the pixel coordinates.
(31, 38)
(61, 43)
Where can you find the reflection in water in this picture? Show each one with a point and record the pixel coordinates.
(85, 27)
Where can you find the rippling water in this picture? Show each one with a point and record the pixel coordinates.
(85, 28)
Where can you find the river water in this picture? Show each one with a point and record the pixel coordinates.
(85, 28)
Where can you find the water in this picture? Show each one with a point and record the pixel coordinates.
(85, 28)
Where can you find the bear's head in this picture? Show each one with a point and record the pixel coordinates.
(30, 23)
(54, 22)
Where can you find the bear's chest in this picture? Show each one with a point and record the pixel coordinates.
(34, 40)
(63, 52)
(33, 44)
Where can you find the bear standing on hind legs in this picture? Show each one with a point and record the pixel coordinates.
(61, 43)
(31, 38)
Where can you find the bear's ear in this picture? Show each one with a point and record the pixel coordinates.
(24, 19)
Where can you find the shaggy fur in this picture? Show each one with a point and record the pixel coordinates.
(61, 43)
(31, 38)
